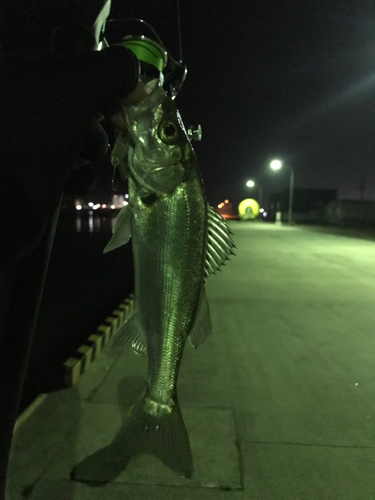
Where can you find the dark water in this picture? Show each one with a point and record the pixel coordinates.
(91, 222)
(83, 287)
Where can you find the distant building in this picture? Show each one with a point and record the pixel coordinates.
(304, 200)
(350, 212)
(308, 204)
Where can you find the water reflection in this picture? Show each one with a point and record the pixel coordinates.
(78, 223)
(91, 222)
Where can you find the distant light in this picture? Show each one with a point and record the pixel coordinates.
(125, 203)
(276, 164)
(95, 207)
(104, 205)
(250, 184)
(112, 206)
(78, 207)
(91, 204)
(261, 210)
(221, 205)
(264, 214)
(226, 201)
(126, 196)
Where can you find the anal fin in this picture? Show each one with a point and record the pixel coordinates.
(202, 326)
(131, 335)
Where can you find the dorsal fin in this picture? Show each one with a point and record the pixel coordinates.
(219, 242)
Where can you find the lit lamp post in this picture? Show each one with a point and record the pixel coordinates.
(251, 184)
(277, 165)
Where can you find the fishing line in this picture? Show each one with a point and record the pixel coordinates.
(179, 28)
(133, 19)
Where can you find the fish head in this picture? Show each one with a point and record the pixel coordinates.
(161, 155)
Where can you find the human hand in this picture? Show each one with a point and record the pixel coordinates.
(135, 97)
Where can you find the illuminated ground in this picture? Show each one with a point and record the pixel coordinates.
(279, 402)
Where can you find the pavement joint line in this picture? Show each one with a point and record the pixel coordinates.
(241, 466)
(280, 443)
(90, 397)
(155, 484)
(76, 366)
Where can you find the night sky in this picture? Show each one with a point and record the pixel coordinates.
(287, 79)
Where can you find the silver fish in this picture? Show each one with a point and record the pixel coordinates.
(178, 240)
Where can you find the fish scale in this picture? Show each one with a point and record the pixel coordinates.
(174, 266)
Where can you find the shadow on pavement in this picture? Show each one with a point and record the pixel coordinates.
(107, 463)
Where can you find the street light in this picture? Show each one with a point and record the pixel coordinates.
(251, 184)
(277, 165)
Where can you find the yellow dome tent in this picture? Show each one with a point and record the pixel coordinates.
(248, 209)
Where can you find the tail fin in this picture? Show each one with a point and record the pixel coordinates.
(164, 436)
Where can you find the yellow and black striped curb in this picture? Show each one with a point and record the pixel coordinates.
(75, 366)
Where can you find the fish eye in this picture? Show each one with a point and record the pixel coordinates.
(168, 131)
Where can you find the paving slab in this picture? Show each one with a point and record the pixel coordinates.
(293, 264)
(99, 457)
(130, 368)
(306, 377)
(43, 435)
(40, 439)
(289, 472)
(89, 383)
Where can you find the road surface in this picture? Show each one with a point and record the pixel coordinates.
(279, 401)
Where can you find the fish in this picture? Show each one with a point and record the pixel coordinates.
(178, 240)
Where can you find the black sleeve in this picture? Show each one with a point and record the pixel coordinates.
(113, 73)
(46, 108)
(46, 104)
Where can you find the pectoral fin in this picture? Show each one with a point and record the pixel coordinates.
(121, 230)
(131, 335)
(219, 242)
(202, 326)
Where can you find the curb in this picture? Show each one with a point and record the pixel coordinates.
(28, 411)
(76, 366)
(86, 353)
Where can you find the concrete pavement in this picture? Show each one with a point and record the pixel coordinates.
(279, 401)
